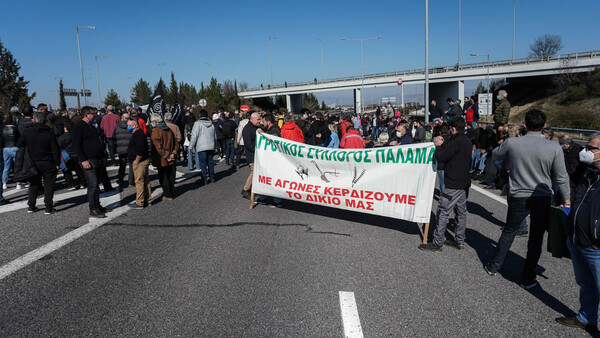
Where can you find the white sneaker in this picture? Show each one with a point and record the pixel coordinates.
(4, 186)
(19, 186)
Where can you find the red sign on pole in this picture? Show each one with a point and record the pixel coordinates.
(400, 81)
(244, 108)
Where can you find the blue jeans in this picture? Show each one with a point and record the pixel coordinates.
(1, 191)
(229, 153)
(374, 133)
(9, 159)
(93, 177)
(586, 265)
(110, 144)
(205, 158)
(193, 159)
(538, 208)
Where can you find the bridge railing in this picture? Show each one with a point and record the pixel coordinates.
(580, 132)
(435, 70)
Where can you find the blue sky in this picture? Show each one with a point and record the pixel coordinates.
(232, 37)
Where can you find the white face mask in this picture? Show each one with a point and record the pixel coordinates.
(587, 156)
(398, 134)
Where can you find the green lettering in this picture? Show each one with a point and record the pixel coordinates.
(431, 155)
(367, 160)
(300, 151)
(410, 157)
(421, 155)
(391, 157)
(309, 151)
(360, 155)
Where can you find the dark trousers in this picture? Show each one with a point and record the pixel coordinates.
(205, 160)
(110, 144)
(93, 177)
(48, 174)
(104, 177)
(221, 148)
(72, 165)
(538, 208)
(238, 154)
(122, 166)
(229, 153)
(166, 177)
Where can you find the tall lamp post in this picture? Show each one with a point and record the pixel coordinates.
(322, 72)
(98, 78)
(514, 27)
(426, 103)
(489, 103)
(459, 10)
(362, 72)
(80, 63)
(270, 58)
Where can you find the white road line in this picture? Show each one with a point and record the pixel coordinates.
(350, 317)
(489, 194)
(111, 201)
(40, 200)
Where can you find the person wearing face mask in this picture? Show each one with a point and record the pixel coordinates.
(583, 227)
(120, 139)
(137, 155)
(401, 136)
(502, 109)
(535, 164)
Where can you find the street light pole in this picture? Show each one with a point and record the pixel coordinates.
(271, 58)
(80, 63)
(426, 104)
(322, 72)
(98, 78)
(514, 28)
(362, 70)
(458, 63)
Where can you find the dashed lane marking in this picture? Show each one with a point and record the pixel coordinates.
(350, 317)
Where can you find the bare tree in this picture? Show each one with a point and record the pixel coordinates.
(243, 86)
(545, 45)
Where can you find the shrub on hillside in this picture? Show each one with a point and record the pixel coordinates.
(575, 93)
(574, 117)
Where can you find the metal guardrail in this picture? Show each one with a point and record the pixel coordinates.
(436, 70)
(581, 132)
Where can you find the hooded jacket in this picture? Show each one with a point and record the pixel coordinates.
(204, 135)
(292, 132)
(583, 222)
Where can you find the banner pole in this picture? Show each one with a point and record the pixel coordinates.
(251, 200)
(425, 233)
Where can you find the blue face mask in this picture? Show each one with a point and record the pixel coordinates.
(130, 129)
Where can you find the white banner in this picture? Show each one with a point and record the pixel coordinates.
(395, 182)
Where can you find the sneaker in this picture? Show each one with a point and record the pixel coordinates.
(97, 214)
(431, 247)
(5, 202)
(576, 323)
(261, 202)
(31, 210)
(19, 186)
(246, 194)
(489, 270)
(73, 188)
(4, 186)
(455, 245)
(135, 206)
(49, 211)
(530, 285)
(522, 233)
(103, 209)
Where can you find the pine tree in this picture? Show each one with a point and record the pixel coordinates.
(480, 89)
(173, 91)
(323, 106)
(112, 98)
(62, 101)
(13, 88)
(310, 102)
(141, 93)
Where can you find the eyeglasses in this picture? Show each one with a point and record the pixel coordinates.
(589, 147)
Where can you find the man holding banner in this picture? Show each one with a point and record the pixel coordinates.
(456, 157)
(249, 136)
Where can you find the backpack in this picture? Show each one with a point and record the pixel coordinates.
(227, 129)
(428, 136)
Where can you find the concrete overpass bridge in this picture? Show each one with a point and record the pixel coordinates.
(443, 81)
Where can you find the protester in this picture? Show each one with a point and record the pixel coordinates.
(456, 156)
(530, 191)
(249, 135)
(164, 149)
(91, 155)
(502, 109)
(318, 131)
(454, 109)
(434, 111)
(401, 136)
(43, 149)
(352, 139)
(137, 155)
(65, 143)
(121, 136)
(108, 124)
(239, 139)
(575, 168)
(291, 131)
(10, 138)
(583, 241)
(333, 141)
(270, 128)
(228, 127)
(204, 141)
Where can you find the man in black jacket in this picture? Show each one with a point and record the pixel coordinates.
(249, 136)
(44, 151)
(455, 155)
(583, 226)
(90, 153)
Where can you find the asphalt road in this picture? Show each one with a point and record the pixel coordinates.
(206, 265)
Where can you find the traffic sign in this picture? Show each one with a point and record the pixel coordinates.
(202, 103)
(400, 81)
(244, 108)
(485, 104)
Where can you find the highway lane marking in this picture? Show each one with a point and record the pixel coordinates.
(111, 201)
(40, 200)
(350, 317)
(489, 194)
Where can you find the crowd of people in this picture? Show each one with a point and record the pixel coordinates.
(522, 161)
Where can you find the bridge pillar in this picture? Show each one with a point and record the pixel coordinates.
(357, 101)
(294, 103)
(441, 91)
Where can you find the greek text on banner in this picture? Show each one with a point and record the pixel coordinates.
(395, 182)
